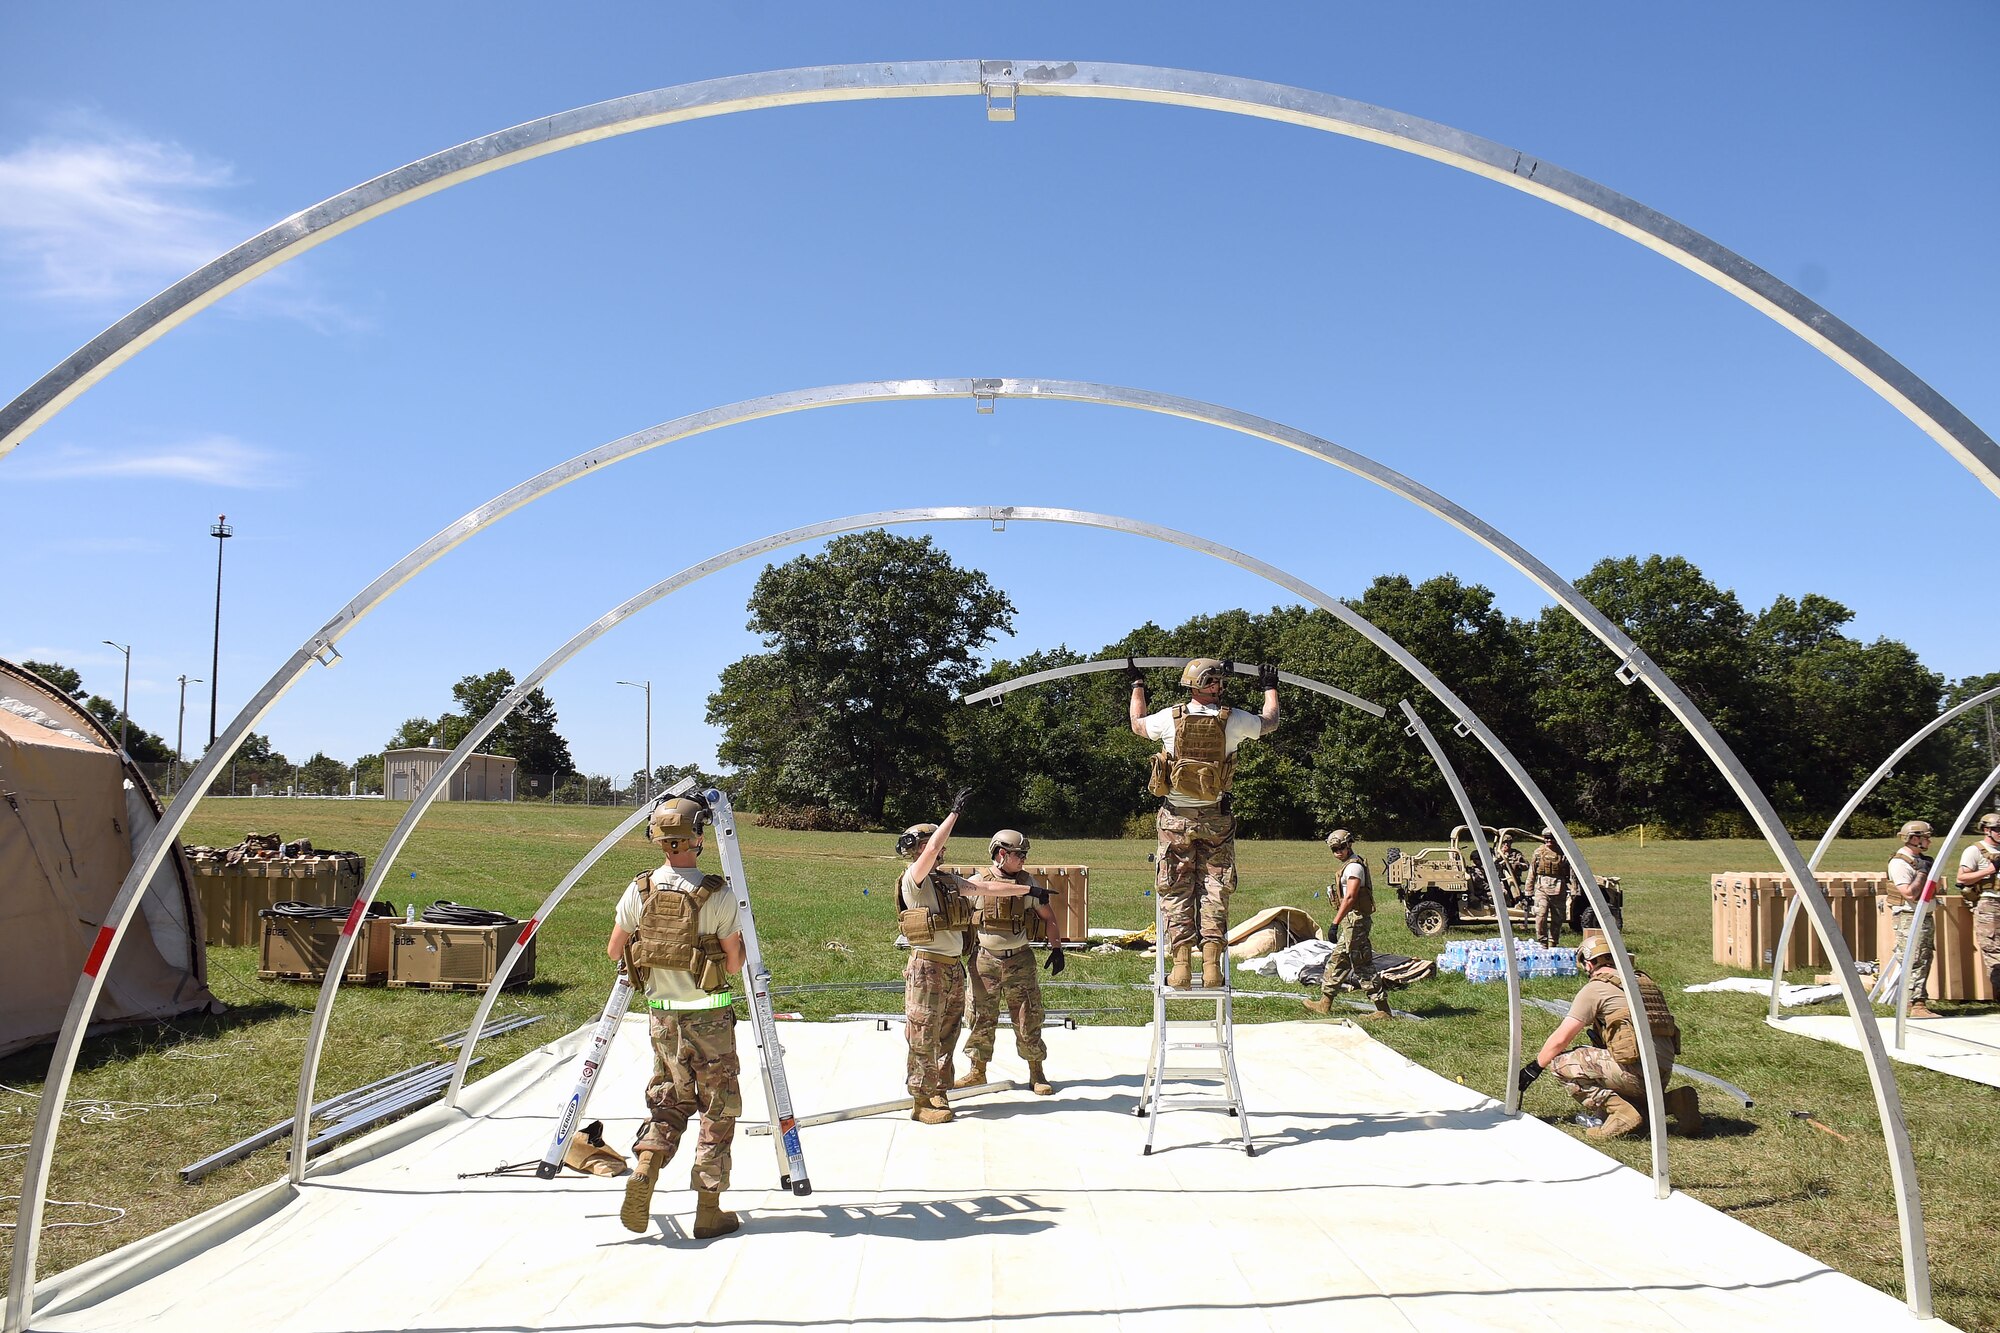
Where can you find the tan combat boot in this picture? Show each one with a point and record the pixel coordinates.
(926, 1114)
(1323, 1005)
(709, 1219)
(1041, 1086)
(1685, 1108)
(974, 1075)
(1177, 975)
(1380, 1010)
(1621, 1118)
(1211, 964)
(638, 1210)
(1918, 1009)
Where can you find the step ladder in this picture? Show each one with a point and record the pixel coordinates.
(1197, 1051)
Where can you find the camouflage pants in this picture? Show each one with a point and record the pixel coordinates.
(1352, 966)
(1549, 909)
(1589, 1074)
(694, 1067)
(1920, 964)
(1195, 872)
(1012, 979)
(933, 1004)
(1986, 934)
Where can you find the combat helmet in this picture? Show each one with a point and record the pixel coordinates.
(1339, 840)
(1989, 822)
(1192, 673)
(1912, 829)
(911, 840)
(1007, 840)
(679, 819)
(1593, 949)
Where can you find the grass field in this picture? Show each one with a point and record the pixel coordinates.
(1828, 1197)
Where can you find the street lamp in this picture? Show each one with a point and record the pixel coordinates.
(124, 709)
(222, 532)
(180, 727)
(647, 686)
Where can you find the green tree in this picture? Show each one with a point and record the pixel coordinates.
(416, 733)
(323, 775)
(63, 678)
(868, 643)
(528, 734)
(368, 774)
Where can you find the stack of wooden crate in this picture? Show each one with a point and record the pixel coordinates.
(236, 883)
(1069, 896)
(1957, 973)
(1747, 911)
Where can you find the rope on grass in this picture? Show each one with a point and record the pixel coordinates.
(104, 1111)
(68, 1203)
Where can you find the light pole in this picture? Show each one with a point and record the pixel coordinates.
(222, 532)
(647, 686)
(125, 708)
(180, 727)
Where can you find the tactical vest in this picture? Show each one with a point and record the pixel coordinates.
(1364, 897)
(1551, 871)
(669, 935)
(1002, 916)
(1201, 768)
(1618, 1036)
(1908, 858)
(1988, 890)
(920, 925)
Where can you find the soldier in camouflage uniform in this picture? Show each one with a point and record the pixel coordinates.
(1909, 870)
(679, 935)
(934, 910)
(1550, 877)
(1601, 1082)
(1979, 879)
(1513, 867)
(1004, 968)
(1196, 859)
(1352, 966)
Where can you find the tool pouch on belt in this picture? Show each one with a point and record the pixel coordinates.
(1621, 1037)
(669, 934)
(1201, 767)
(1161, 781)
(915, 923)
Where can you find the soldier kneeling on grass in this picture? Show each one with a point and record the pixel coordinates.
(678, 932)
(1606, 1077)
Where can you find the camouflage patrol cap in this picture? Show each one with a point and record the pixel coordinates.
(1593, 948)
(1192, 673)
(1008, 840)
(912, 839)
(1913, 828)
(1338, 839)
(676, 820)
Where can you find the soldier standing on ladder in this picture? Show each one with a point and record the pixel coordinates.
(1197, 849)
(679, 933)
(933, 912)
(1004, 968)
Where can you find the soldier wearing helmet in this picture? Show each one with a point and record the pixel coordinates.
(1195, 867)
(934, 909)
(1004, 965)
(1551, 878)
(679, 935)
(1909, 871)
(1352, 966)
(1979, 879)
(1513, 866)
(1606, 1077)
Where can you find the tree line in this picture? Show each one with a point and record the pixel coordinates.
(850, 716)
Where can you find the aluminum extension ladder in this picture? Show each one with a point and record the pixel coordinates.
(1190, 1051)
(784, 1126)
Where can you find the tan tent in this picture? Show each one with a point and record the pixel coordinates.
(71, 814)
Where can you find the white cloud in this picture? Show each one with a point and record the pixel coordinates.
(214, 460)
(96, 217)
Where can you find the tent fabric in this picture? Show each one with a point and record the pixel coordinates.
(71, 815)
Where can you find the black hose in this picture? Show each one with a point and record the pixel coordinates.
(445, 913)
(322, 912)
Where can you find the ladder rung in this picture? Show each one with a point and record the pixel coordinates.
(1193, 1071)
(1165, 1103)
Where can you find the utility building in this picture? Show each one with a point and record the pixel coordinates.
(483, 777)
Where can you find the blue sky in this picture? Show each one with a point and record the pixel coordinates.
(1585, 395)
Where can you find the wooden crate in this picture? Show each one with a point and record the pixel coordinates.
(296, 949)
(1957, 971)
(438, 957)
(233, 895)
(1069, 897)
(1747, 911)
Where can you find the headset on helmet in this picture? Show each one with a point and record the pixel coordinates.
(681, 818)
(911, 840)
(1338, 839)
(1192, 673)
(1913, 828)
(1593, 948)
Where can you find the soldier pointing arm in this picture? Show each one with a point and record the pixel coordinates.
(1004, 968)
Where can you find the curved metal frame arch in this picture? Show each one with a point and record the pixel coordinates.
(1001, 82)
(1861, 793)
(1636, 665)
(992, 693)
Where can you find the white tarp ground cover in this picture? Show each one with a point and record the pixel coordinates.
(1382, 1197)
(1968, 1047)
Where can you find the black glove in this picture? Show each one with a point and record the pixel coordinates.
(958, 801)
(1529, 1073)
(1055, 962)
(1267, 677)
(1040, 895)
(1134, 673)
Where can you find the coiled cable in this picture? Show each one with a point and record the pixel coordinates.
(446, 913)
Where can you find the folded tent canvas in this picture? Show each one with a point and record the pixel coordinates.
(71, 814)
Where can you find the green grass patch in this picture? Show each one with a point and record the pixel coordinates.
(1762, 1166)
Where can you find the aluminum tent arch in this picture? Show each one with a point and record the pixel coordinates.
(1002, 83)
(1636, 665)
(1861, 794)
(993, 692)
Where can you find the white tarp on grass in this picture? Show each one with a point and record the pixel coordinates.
(1968, 1047)
(1382, 1197)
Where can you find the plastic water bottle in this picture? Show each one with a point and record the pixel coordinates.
(410, 913)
